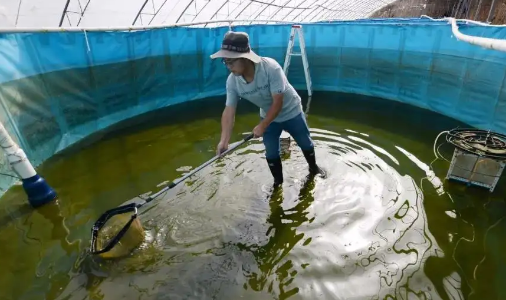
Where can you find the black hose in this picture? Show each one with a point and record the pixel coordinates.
(479, 142)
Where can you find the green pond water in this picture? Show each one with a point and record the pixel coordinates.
(376, 228)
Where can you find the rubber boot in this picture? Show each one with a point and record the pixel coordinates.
(276, 168)
(313, 167)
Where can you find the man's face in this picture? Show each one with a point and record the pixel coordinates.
(234, 65)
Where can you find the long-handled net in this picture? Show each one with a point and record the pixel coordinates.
(119, 230)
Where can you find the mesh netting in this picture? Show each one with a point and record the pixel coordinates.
(133, 237)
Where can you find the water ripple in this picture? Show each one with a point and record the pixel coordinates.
(359, 234)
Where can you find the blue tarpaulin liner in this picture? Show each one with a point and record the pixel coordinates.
(56, 88)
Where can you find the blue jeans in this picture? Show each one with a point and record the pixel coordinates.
(297, 127)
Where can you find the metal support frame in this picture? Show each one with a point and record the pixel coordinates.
(477, 12)
(80, 13)
(139, 12)
(152, 10)
(491, 12)
(132, 28)
(64, 13)
(153, 15)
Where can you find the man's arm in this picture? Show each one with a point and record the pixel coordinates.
(228, 115)
(227, 124)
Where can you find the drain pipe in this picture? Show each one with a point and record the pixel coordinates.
(489, 43)
(36, 188)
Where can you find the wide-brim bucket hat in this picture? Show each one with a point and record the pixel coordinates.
(236, 45)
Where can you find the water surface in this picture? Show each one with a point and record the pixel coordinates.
(381, 226)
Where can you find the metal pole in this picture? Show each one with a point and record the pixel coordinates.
(132, 28)
(83, 11)
(158, 10)
(469, 8)
(139, 12)
(491, 11)
(478, 10)
(184, 11)
(457, 9)
(64, 12)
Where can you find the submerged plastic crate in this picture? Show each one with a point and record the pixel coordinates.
(475, 170)
(479, 157)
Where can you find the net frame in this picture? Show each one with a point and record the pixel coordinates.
(99, 224)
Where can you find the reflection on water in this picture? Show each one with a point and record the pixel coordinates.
(373, 229)
(361, 233)
(283, 237)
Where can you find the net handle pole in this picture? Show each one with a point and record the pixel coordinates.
(133, 206)
(173, 184)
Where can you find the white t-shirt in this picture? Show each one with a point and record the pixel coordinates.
(269, 79)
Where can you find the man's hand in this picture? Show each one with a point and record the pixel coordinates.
(277, 82)
(273, 112)
(259, 130)
(222, 147)
(227, 123)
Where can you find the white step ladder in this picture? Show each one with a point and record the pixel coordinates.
(285, 140)
(289, 53)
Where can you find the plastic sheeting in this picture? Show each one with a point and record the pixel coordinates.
(59, 87)
(93, 13)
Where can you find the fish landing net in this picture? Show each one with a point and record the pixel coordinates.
(479, 157)
(118, 231)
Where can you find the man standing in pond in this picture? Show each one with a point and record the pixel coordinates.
(261, 80)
